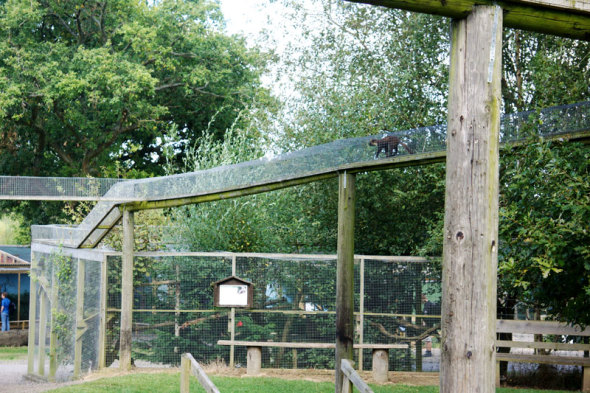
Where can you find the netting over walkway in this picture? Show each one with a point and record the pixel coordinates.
(305, 163)
(55, 188)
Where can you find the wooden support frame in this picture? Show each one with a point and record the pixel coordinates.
(471, 204)
(42, 331)
(127, 291)
(32, 323)
(345, 273)
(558, 17)
(102, 334)
(52, 330)
(81, 326)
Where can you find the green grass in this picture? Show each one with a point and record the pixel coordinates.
(164, 383)
(13, 353)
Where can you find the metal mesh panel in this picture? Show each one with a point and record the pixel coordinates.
(305, 162)
(67, 321)
(294, 302)
(54, 188)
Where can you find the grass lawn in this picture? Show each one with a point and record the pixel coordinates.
(164, 383)
(13, 353)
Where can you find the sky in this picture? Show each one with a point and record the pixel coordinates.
(248, 17)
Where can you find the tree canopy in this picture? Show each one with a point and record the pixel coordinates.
(85, 83)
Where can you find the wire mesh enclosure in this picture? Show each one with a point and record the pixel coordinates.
(321, 159)
(77, 309)
(66, 305)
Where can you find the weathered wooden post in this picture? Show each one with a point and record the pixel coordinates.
(471, 205)
(42, 330)
(345, 274)
(127, 291)
(52, 328)
(32, 320)
(80, 324)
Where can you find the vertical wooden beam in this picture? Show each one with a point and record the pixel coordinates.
(127, 291)
(471, 204)
(102, 333)
(18, 300)
(32, 322)
(361, 312)
(232, 318)
(80, 324)
(345, 274)
(42, 331)
(185, 373)
(53, 307)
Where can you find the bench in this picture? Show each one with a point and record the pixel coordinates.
(254, 354)
(543, 327)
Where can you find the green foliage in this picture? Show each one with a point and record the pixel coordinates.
(544, 228)
(83, 82)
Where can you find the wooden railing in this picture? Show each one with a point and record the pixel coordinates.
(351, 377)
(189, 365)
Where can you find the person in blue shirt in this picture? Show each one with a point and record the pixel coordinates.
(5, 310)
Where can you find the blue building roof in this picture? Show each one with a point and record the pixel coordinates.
(22, 252)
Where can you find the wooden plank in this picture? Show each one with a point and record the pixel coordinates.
(81, 325)
(345, 273)
(539, 327)
(127, 291)
(352, 375)
(42, 331)
(543, 345)
(567, 18)
(308, 345)
(198, 372)
(102, 334)
(543, 359)
(52, 328)
(32, 323)
(185, 373)
(471, 204)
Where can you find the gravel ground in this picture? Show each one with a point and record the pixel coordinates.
(12, 374)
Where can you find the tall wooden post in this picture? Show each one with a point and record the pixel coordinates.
(52, 328)
(42, 331)
(126, 291)
(80, 324)
(345, 274)
(102, 334)
(32, 320)
(471, 205)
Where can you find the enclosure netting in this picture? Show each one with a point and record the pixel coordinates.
(294, 301)
(302, 163)
(67, 318)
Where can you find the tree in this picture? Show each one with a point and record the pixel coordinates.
(86, 82)
(544, 228)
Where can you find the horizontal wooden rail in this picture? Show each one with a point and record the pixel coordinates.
(539, 327)
(307, 345)
(189, 365)
(543, 359)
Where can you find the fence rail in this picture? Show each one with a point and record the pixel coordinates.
(189, 365)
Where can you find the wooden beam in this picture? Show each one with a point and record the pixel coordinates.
(32, 322)
(345, 274)
(81, 325)
(103, 314)
(42, 331)
(567, 18)
(53, 328)
(127, 291)
(471, 205)
(539, 327)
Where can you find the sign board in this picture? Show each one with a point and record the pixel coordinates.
(233, 292)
